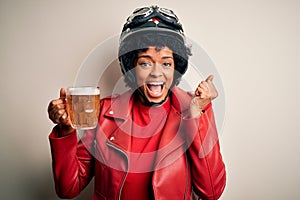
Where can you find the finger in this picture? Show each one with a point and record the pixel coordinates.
(64, 119)
(53, 109)
(62, 93)
(59, 107)
(197, 92)
(210, 78)
(201, 93)
(64, 116)
(204, 85)
(54, 115)
(56, 104)
(212, 89)
(200, 85)
(60, 116)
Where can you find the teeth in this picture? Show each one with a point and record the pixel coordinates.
(156, 83)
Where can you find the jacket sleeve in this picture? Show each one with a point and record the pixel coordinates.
(72, 163)
(207, 167)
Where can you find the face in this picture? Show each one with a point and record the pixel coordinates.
(155, 72)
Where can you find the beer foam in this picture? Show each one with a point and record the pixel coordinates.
(83, 91)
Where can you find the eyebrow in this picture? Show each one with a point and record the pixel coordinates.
(147, 56)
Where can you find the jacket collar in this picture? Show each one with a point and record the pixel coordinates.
(121, 105)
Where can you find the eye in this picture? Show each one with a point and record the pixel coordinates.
(144, 64)
(167, 64)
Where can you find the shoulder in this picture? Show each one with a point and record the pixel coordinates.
(117, 97)
(119, 104)
(181, 99)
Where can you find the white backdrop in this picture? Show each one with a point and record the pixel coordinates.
(255, 48)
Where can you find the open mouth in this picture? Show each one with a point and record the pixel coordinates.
(155, 89)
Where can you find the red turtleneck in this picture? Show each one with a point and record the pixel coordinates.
(146, 133)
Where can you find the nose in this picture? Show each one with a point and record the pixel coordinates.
(156, 70)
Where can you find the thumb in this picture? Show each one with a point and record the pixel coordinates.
(210, 78)
(62, 93)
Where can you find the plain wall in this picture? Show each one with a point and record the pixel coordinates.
(254, 45)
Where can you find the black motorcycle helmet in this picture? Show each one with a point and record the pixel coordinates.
(152, 26)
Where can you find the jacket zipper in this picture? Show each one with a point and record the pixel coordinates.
(122, 152)
(187, 176)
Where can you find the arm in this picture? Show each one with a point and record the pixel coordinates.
(72, 163)
(207, 167)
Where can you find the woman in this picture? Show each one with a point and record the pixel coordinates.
(155, 141)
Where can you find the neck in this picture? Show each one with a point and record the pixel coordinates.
(141, 96)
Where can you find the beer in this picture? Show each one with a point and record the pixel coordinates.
(83, 106)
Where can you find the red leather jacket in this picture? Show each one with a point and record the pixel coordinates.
(188, 164)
